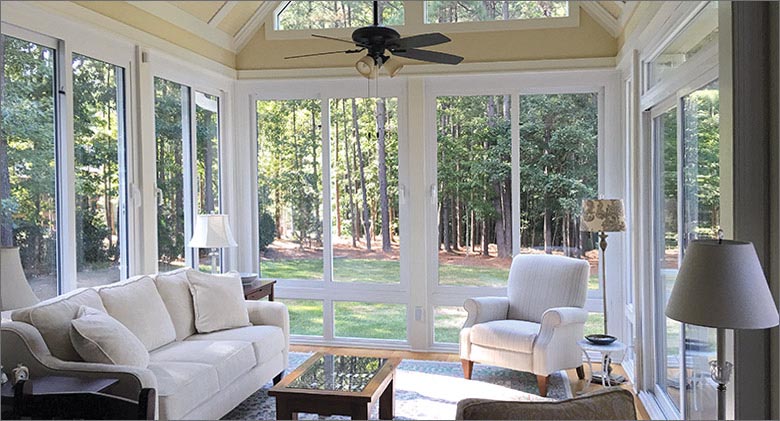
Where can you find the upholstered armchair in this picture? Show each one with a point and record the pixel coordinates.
(536, 327)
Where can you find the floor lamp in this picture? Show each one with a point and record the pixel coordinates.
(603, 216)
(721, 285)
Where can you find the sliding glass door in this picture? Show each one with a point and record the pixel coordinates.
(687, 201)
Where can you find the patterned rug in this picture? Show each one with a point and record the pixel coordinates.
(427, 390)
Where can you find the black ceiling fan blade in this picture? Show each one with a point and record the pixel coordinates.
(431, 56)
(422, 40)
(326, 53)
(337, 39)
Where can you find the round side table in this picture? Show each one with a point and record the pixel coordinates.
(606, 351)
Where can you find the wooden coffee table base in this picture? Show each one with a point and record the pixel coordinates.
(288, 407)
(290, 401)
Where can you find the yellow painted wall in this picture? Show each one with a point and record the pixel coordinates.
(139, 19)
(589, 40)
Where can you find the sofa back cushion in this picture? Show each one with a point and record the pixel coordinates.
(52, 319)
(218, 300)
(538, 282)
(174, 288)
(137, 304)
(100, 338)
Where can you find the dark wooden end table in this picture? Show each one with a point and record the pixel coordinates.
(259, 289)
(63, 397)
(328, 384)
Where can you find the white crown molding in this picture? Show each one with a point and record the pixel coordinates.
(628, 12)
(602, 16)
(250, 28)
(607, 63)
(222, 13)
(184, 20)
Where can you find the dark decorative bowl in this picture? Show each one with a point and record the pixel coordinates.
(600, 339)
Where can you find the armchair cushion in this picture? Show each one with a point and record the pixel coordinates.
(605, 404)
(512, 335)
(539, 282)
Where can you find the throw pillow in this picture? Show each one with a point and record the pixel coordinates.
(174, 288)
(100, 338)
(137, 304)
(218, 300)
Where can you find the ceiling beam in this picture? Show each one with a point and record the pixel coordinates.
(186, 21)
(222, 13)
(602, 16)
(245, 34)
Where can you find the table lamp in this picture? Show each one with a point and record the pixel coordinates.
(15, 291)
(721, 285)
(603, 216)
(212, 231)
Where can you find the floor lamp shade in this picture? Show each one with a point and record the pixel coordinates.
(15, 292)
(603, 215)
(721, 285)
(212, 231)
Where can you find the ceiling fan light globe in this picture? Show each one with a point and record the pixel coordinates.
(393, 67)
(366, 67)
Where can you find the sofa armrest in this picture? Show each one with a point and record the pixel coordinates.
(485, 309)
(22, 343)
(270, 313)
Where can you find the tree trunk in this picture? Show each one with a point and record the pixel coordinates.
(445, 223)
(384, 204)
(485, 240)
(315, 176)
(366, 216)
(352, 208)
(547, 230)
(336, 178)
(208, 188)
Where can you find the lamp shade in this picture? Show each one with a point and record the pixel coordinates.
(721, 284)
(212, 231)
(367, 67)
(393, 67)
(603, 215)
(15, 292)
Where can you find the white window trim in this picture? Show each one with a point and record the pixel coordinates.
(414, 23)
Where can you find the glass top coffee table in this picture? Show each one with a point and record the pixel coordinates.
(327, 384)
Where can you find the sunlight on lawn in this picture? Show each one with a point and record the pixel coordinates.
(305, 316)
(370, 320)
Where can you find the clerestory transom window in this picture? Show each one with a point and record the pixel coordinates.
(337, 14)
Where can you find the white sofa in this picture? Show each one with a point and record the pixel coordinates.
(196, 376)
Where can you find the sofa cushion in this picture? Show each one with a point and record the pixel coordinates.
(230, 358)
(268, 341)
(512, 335)
(174, 288)
(137, 304)
(100, 338)
(52, 318)
(218, 300)
(182, 386)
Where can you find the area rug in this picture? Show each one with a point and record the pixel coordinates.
(428, 390)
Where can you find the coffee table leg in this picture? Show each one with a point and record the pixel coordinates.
(283, 411)
(360, 411)
(387, 403)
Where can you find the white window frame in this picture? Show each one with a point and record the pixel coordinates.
(414, 23)
(606, 84)
(327, 290)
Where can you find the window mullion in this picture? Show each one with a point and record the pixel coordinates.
(328, 315)
(189, 169)
(514, 121)
(66, 186)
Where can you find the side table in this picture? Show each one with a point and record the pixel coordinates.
(259, 289)
(604, 376)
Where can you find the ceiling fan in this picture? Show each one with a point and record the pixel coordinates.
(382, 42)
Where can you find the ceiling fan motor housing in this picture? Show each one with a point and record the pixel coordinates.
(376, 39)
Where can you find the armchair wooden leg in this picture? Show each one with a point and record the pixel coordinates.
(580, 373)
(542, 380)
(467, 366)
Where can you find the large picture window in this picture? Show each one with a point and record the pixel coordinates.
(28, 164)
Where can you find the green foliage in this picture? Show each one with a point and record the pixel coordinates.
(447, 11)
(267, 229)
(338, 14)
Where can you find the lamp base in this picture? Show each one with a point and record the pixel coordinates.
(609, 380)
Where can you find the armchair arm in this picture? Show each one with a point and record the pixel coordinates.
(270, 313)
(485, 309)
(556, 346)
(22, 343)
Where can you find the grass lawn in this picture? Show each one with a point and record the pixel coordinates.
(385, 321)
